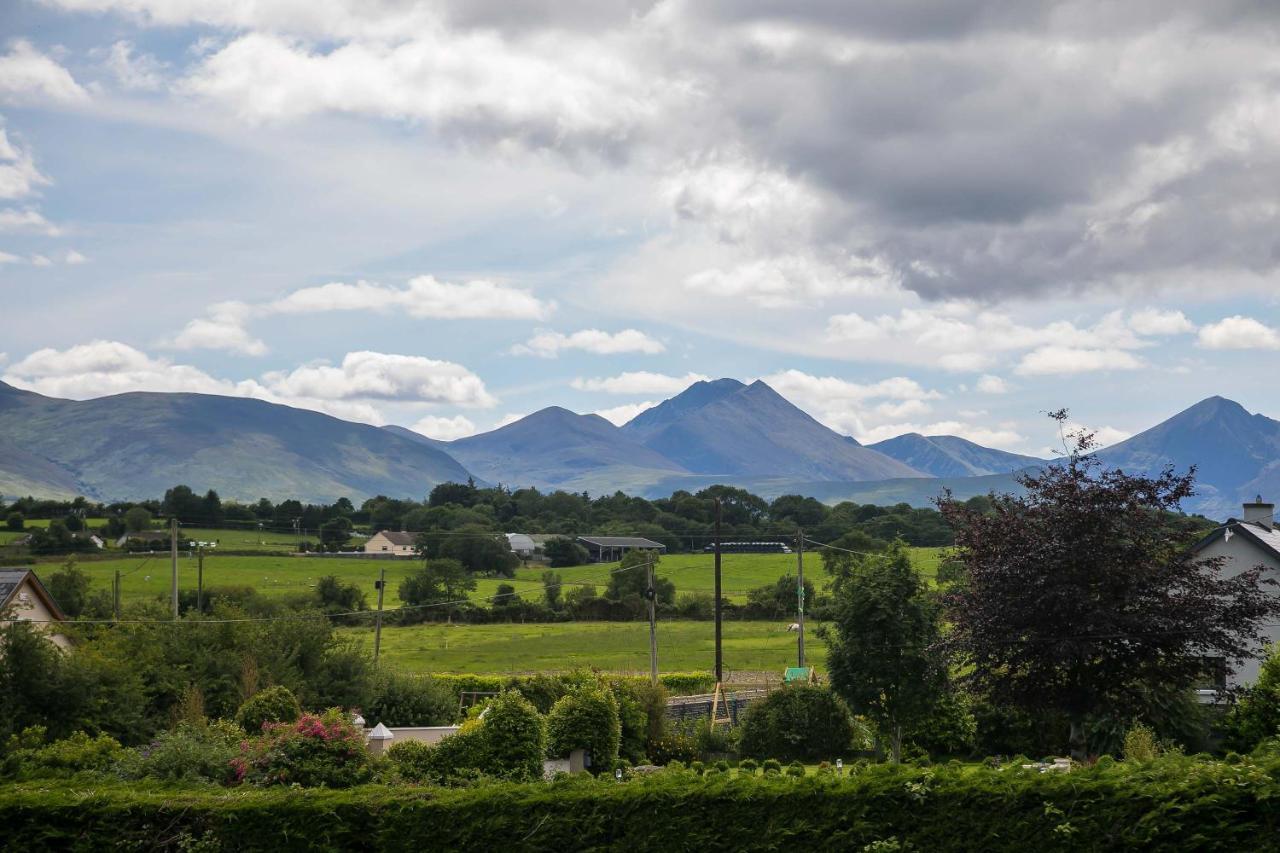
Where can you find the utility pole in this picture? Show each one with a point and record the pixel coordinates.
(377, 625)
(200, 579)
(719, 658)
(115, 596)
(651, 593)
(800, 591)
(173, 564)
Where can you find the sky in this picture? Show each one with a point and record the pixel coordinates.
(939, 217)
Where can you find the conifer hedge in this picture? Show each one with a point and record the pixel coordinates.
(1169, 804)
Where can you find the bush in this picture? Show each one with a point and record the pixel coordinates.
(795, 769)
(191, 752)
(800, 722)
(747, 767)
(411, 759)
(772, 766)
(325, 751)
(587, 719)
(1140, 744)
(1256, 716)
(272, 705)
(27, 754)
(460, 757)
(403, 700)
(515, 737)
(673, 746)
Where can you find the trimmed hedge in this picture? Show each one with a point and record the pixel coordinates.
(677, 683)
(1170, 804)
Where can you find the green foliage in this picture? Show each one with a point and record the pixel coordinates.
(69, 586)
(15, 521)
(26, 754)
(795, 770)
(192, 752)
(642, 714)
(587, 719)
(675, 746)
(800, 722)
(516, 738)
(412, 760)
(564, 553)
(949, 728)
(334, 596)
(482, 554)
(272, 705)
(315, 751)
(771, 766)
(405, 700)
(748, 767)
(460, 757)
(779, 599)
(1140, 744)
(631, 581)
(137, 519)
(437, 582)
(1256, 716)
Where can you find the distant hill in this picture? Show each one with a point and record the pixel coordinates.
(1236, 454)
(133, 446)
(554, 446)
(730, 429)
(951, 456)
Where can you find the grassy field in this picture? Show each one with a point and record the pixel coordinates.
(683, 646)
(146, 577)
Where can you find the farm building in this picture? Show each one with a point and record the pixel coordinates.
(1243, 544)
(392, 542)
(522, 545)
(607, 549)
(21, 591)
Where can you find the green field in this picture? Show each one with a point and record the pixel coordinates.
(623, 647)
(146, 577)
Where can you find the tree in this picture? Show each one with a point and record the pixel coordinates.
(183, 504)
(437, 582)
(849, 551)
(1081, 596)
(69, 586)
(779, 598)
(586, 719)
(137, 519)
(460, 494)
(481, 551)
(15, 521)
(335, 533)
(564, 553)
(632, 579)
(882, 645)
(800, 722)
(551, 589)
(334, 596)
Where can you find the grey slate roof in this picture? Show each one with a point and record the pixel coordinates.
(399, 537)
(620, 542)
(1266, 538)
(11, 580)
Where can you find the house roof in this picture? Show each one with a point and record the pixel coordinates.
(398, 537)
(12, 580)
(521, 542)
(620, 542)
(1265, 538)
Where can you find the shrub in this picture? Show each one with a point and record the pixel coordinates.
(516, 737)
(722, 766)
(800, 722)
(191, 752)
(674, 746)
(698, 768)
(411, 759)
(325, 751)
(28, 755)
(402, 700)
(272, 705)
(1257, 714)
(460, 757)
(772, 766)
(715, 741)
(587, 719)
(747, 767)
(1140, 744)
(795, 769)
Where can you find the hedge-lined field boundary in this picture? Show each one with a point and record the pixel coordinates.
(1177, 804)
(677, 683)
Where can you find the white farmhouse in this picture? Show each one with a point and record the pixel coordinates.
(24, 598)
(1243, 544)
(391, 542)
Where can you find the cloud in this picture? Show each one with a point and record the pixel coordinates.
(382, 376)
(444, 429)
(1059, 360)
(19, 176)
(28, 76)
(223, 329)
(551, 344)
(41, 261)
(619, 415)
(1001, 437)
(1152, 321)
(73, 258)
(508, 418)
(1238, 332)
(27, 220)
(141, 72)
(847, 406)
(8, 258)
(423, 297)
(639, 382)
(990, 384)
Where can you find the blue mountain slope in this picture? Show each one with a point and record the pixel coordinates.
(951, 456)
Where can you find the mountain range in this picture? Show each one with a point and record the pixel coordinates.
(136, 445)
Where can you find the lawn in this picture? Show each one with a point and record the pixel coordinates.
(683, 646)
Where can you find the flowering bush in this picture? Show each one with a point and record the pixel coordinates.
(316, 751)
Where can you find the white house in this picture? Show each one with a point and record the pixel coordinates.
(522, 545)
(392, 542)
(1243, 544)
(24, 598)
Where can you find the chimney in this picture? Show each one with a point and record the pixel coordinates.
(1260, 513)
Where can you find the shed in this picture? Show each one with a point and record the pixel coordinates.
(607, 549)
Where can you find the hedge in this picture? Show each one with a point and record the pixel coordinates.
(677, 683)
(1170, 804)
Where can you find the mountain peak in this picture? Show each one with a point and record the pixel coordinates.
(696, 396)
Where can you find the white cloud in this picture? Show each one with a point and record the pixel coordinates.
(965, 362)
(104, 367)
(1000, 437)
(1057, 360)
(1238, 332)
(1152, 321)
(134, 71)
(7, 258)
(383, 376)
(73, 258)
(27, 220)
(639, 382)
(19, 176)
(551, 344)
(423, 297)
(28, 76)
(619, 415)
(223, 329)
(41, 261)
(990, 384)
(444, 429)
(846, 406)
(508, 418)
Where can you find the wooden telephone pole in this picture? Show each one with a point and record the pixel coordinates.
(377, 630)
(719, 705)
(173, 564)
(652, 594)
(800, 594)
